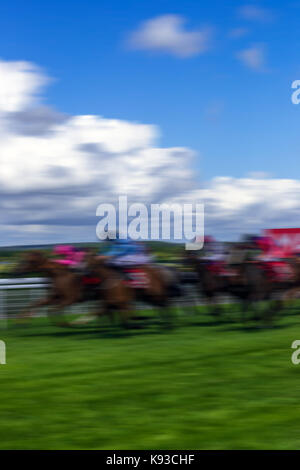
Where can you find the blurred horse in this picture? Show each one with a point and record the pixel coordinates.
(159, 284)
(245, 282)
(67, 288)
(249, 282)
(293, 292)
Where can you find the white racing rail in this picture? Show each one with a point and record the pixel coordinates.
(24, 283)
(16, 294)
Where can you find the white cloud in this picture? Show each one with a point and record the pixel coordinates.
(255, 13)
(259, 175)
(20, 83)
(253, 57)
(167, 34)
(243, 205)
(55, 171)
(53, 179)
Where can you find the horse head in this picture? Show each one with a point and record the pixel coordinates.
(32, 261)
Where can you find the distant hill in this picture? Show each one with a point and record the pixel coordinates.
(163, 250)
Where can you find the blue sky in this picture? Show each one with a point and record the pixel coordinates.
(253, 126)
(212, 77)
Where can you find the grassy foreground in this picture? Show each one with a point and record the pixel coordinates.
(203, 385)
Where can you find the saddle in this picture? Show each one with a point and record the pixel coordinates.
(277, 271)
(230, 271)
(217, 267)
(133, 277)
(90, 283)
(136, 278)
(90, 280)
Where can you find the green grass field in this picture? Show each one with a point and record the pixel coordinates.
(206, 384)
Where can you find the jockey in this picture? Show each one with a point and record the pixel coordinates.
(213, 250)
(127, 256)
(250, 246)
(214, 255)
(79, 257)
(69, 256)
(267, 250)
(125, 253)
(271, 259)
(237, 255)
(242, 251)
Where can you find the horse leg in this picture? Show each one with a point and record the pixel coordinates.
(125, 313)
(217, 310)
(61, 306)
(278, 306)
(122, 309)
(166, 312)
(214, 309)
(246, 303)
(194, 298)
(289, 297)
(274, 308)
(160, 305)
(35, 306)
(106, 310)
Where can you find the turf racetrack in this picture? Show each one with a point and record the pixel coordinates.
(206, 384)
